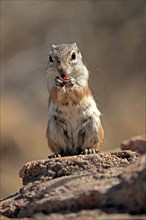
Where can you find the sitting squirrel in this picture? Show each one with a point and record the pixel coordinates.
(74, 125)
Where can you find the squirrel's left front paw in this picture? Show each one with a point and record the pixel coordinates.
(70, 82)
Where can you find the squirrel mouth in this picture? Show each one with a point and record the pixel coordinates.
(64, 74)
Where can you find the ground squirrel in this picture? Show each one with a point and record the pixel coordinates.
(74, 124)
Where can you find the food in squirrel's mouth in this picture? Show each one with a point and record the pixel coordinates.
(65, 77)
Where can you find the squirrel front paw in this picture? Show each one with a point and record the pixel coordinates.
(69, 82)
(59, 82)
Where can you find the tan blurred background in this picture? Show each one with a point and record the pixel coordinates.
(110, 35)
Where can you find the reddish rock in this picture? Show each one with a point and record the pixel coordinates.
(136, 143)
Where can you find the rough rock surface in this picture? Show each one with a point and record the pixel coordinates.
(136, 143)
(107, 185)
(81, 164)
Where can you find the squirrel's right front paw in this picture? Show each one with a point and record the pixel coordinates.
(59, 81)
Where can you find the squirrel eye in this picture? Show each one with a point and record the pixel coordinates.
(73, 56)
(50, 59)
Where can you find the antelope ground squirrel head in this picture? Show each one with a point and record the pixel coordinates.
(65, 58)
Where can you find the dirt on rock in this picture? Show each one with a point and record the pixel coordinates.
(81, 187)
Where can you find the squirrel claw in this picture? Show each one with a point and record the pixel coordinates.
(89, 151)
(70, 82)
(54, 156)
(59, 81)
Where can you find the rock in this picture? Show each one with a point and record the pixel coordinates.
(74, 165)
(81, 187)
(83, 215)
(136, 143)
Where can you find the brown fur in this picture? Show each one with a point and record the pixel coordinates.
(100, 137)
(76, 93)
(80, 93)
(50, 143)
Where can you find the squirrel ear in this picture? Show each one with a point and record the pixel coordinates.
(74, 44)
(53, 46)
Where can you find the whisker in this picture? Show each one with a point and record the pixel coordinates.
(94, 68)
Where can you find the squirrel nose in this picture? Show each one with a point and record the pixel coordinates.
(62, 72)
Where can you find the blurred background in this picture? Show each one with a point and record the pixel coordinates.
(111, 37)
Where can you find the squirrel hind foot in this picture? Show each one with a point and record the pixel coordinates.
(89, 151)
(54, 156)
